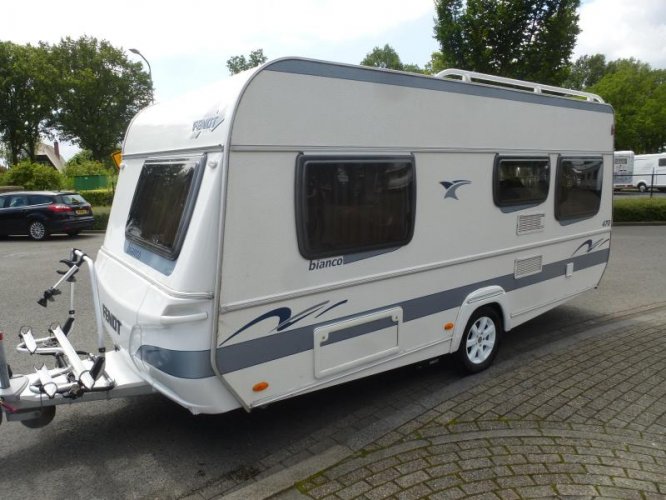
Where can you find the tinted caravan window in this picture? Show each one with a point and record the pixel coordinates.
(521, 181)
(578, 193)
(163, 203)
(349, 205)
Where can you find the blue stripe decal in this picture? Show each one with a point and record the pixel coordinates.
(359, 74)
(357, 331)
(181, 364)
(196, 364)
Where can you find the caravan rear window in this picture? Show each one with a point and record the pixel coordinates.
(521, 181)
(163, 203)
(578, 193)
(350, 205)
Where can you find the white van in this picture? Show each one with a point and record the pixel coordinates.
(623, 169)
(306, 223)
(650, 170)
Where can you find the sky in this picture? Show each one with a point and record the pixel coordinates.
(188, 43)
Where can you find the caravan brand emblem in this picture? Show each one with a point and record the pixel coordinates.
(452, 186)
(206, 124)
(324, 263)
(111, 319)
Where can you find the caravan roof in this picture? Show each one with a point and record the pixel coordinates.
(204, 118)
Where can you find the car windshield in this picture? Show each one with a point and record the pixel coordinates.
(73, 199)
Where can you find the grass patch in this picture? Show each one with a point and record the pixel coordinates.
(639, 210)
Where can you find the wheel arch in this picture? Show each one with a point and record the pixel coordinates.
(491, 296)
(31, 217)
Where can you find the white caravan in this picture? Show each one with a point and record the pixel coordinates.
(650, 170)
(623, 169)
(306, 223)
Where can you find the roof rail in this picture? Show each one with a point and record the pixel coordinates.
(500, 81)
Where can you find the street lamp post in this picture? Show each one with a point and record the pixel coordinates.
(150, 71)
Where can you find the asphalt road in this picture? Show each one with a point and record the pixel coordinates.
(150, 447)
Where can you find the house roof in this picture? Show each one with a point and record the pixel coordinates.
(56, 160)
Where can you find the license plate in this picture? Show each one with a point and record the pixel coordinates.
(81, 212)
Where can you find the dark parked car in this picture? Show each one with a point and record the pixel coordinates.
(40, 213)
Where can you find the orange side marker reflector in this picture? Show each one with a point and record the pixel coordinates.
(260, 386)
(448, 326)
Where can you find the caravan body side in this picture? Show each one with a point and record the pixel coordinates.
(251, 312)
(650, 170)
(623, 169)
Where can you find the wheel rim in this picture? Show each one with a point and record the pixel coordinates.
(481, 340)
(37, 230)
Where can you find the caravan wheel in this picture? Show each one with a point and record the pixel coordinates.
(480, 341)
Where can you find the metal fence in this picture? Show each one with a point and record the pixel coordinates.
(650, 182)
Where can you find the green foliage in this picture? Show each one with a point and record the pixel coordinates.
(101, 214)
(383, 57)
(638, 96)
(639, 210)
(90, 167)
(98, 92)
(387, 58)
(98, 197)
(83, 156)
(236, 64)
(586, 71)
(26, 98)
(436, 64)
(33, 176)
(513, 38)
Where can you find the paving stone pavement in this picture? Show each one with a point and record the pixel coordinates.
(585, 421)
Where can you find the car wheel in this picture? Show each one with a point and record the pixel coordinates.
(37, 230)
(480, 340)
(642, 187)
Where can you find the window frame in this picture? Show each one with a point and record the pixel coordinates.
(172, 254)
(518, 204)
(565, 220)
(302, 163)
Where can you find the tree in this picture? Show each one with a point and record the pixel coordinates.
(586, 71)
(436, 64)
(387, 58)
(26, 98)
(33, 176)
(638, 96)
(99, 91)
(383, 57)
(530, 40)
(236, 64)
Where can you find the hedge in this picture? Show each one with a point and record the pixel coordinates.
(101, 215)
(98, 197)
(639, 210)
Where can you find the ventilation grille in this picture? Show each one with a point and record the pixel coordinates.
(530, 223)
(528, 267)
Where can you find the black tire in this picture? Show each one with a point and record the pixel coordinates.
(480, 340)
(47, 413)
(37, 230)
(642, 187)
